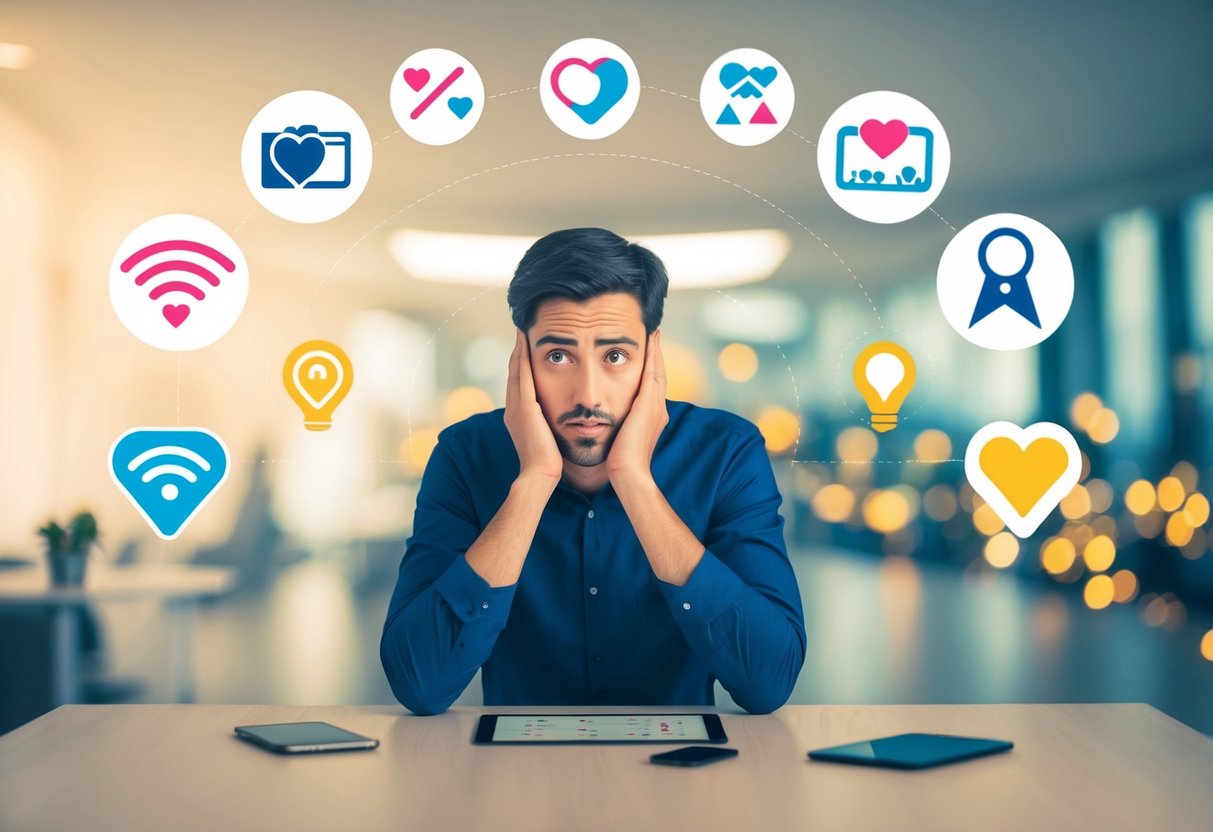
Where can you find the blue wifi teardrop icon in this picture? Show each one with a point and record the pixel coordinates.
(168, 474)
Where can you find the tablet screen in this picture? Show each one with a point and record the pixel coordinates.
(601, 728)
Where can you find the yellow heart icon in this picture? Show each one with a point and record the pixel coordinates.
(1023, 475)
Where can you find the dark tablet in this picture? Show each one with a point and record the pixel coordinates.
(911, 751)
(577, 729)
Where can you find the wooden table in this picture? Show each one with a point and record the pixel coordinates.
(125, 767)
(179, 586)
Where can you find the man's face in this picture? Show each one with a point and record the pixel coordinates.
(587, 358)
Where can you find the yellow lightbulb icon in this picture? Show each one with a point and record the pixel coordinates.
(317, 374)
(884, 373)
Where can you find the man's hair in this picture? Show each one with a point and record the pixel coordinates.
(583, 263)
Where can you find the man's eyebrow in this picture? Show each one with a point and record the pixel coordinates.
(598, 342)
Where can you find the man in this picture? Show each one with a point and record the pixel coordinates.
(593, 543)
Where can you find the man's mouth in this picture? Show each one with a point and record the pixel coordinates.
(587, 428)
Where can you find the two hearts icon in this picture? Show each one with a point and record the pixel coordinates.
(611, 77)
(732, 74)
(1023, 473)
(419, 77)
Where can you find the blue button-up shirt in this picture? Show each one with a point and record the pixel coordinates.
(588, 623)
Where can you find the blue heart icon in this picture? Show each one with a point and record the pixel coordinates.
(460, 106)
(297, 152)
(732, 74)
(612, 84)
(765, 75)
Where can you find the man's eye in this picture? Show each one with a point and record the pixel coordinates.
(557, 357)
(616, 357)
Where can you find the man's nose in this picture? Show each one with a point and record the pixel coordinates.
(588, 387)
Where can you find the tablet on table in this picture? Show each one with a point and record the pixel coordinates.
(533, 729)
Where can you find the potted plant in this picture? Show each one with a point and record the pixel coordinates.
(68, 548)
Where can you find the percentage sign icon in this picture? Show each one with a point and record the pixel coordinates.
(436, 93)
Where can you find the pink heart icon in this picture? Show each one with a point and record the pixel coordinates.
(176, 314)
(565, 64)
(883, 137)
(417, 78)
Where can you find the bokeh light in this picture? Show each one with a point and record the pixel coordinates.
(738, 362)
(833, 503)
(932, 445)
(779, 427)
(1001, 550)
(1099, 554)
(1124, 584)
(685, 380)
(1083, 408)
(856, 444)
(1139, 498)
(986, 521)
(463, 402)
(1196, 510)
(1104, 426)
(1170, 493)
(1185, 472)
(1057, 555)
(1099, 592)
(415, 450)
(1179, 531)
(1100, 493)
(1077, 504)
(940, 503)
(886, 510)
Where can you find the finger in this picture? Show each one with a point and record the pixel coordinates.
(659, 372)
(512, 380)
(526, 381)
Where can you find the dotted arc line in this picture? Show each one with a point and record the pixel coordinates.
(872, 461)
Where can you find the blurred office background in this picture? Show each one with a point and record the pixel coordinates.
(1092, 118)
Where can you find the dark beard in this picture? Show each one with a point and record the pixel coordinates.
(585, 451)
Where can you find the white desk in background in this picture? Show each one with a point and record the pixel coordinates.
(180, 587)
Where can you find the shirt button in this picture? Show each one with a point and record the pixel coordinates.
(593, 590)
(591, 514)
(485, 605)
(686, 605)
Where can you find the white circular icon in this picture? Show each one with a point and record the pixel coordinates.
(746, 97)
(883, 157)
(437, 96)
(589, 88)
(178, 282)
(1005, 282)
(306, 156)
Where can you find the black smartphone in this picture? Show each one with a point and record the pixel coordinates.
(693, 755)
(911, 751)
(304, 737)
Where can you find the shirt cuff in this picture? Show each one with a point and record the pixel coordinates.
(470, 595)
(711, 589)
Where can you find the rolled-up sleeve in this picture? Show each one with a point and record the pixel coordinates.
(740, 611)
